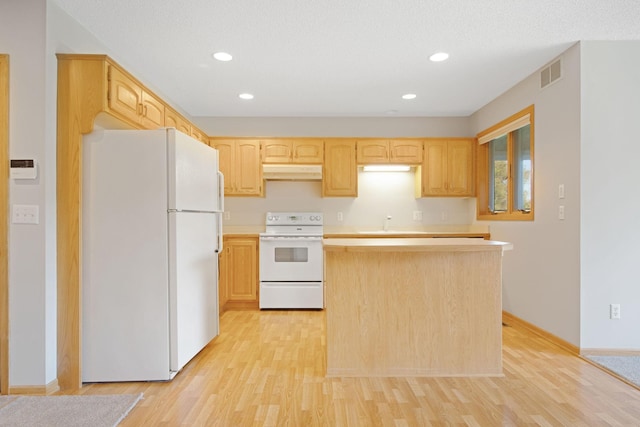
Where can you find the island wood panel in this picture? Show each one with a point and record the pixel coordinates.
(433, 313)
(4, 208)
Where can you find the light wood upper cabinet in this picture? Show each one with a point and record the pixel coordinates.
(283, 150)
(381, 151)
(129, 100)
(447, 169)
(174, 120)
(340, 171)
(308, 151)
(276, 151)
(240, 165)
(405, 151)
(199, 135)
(239, 274)
(373, 151)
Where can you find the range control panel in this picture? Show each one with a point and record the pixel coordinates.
(294, 218)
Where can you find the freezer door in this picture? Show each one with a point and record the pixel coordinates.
(193, 284)
(193, 174)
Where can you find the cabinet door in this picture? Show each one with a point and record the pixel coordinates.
(460, 167)
(174, 120)
(125, 96)
(276, 151)
(308, 151)
(434, 168)
(373, 151)
(248, 169)
(199, 135)
(226, 159)
(340, 171)
(152, 111)
(243, 269)
(405, 152)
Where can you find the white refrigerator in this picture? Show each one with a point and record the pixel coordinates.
(152, 203)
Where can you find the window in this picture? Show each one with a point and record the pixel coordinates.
(505, 169)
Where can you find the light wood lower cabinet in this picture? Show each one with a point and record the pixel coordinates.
(238, 285)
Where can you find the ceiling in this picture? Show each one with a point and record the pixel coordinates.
(344, 58)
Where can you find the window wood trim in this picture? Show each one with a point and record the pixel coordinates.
(482, 175)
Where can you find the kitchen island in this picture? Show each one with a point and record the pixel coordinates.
(413, 306)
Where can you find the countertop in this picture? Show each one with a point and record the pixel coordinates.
(450, 231)
(413, 232)
(412, 245)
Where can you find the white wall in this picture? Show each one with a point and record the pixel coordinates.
(335, 126)
(379, 194)
(541, 276)
(23, 37)
(610, 171)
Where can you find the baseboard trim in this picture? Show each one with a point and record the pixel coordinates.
(511, 319)
(609, 352)
(51, 388)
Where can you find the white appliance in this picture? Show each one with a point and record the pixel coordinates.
(151, 233)
(291, 261)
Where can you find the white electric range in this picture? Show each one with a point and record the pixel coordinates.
(291, 261)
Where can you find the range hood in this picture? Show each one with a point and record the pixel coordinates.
(292, 172)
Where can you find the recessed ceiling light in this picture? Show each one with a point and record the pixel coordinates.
(409, 96)
(246, 96)
(440, 56)
(222, 56)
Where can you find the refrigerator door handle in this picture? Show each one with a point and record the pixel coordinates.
(221, 191)
(219, 232)
(221, 207)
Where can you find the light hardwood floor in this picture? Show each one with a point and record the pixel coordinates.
(267, 369)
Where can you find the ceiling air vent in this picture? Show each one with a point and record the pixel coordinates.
(550, 73)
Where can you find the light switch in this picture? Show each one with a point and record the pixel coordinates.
(560, 212)
(26, 214)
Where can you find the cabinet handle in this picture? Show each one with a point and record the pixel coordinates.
(145, 111)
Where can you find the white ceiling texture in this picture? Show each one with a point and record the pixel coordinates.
(344, 58)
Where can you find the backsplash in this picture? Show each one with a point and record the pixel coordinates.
(379, 194)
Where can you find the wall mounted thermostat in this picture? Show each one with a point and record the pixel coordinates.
(24, 169)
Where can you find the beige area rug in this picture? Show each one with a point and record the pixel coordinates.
(66, 411)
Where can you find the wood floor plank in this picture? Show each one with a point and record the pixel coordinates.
(267, 369)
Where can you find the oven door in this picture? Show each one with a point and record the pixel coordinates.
(291, 259)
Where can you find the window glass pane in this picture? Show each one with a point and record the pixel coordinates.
(522, 168)
(499, 172)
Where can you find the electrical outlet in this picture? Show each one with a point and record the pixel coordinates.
(561, 191)
(339, 216)
(614, 311)
(417, 215)
(227, 216)
(560, 212)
